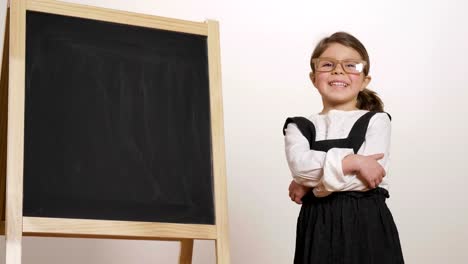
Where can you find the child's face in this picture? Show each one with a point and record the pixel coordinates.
(338, 87)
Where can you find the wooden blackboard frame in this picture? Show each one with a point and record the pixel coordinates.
(14, 71)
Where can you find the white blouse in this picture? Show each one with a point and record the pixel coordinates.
(323, 170)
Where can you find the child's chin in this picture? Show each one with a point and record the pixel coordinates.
(339, 99)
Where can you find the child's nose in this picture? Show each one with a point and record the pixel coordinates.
(338, 69)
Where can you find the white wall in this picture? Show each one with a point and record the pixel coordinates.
(419, 67)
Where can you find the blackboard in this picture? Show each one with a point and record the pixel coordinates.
(117, 122)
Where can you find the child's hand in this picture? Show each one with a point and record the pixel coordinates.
(297, 191)
(366, 168)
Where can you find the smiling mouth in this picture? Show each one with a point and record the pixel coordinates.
(338, 84)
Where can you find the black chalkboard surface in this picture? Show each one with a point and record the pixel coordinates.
(117, 122)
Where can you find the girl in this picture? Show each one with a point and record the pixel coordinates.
(338, 159)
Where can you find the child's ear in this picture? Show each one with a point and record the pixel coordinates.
(366, 82)
(312, 77)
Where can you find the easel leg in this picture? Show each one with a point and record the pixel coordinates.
(186, 251)
(15, 132)
(12, 250)
(222, 251)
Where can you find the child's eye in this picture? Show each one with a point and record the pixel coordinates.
(351, 65)
(327, 64)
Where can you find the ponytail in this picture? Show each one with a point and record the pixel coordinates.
(369, 100)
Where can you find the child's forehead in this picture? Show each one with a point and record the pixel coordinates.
(340, 52)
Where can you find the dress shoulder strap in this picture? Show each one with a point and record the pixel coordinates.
(357, 135)
(306, 127)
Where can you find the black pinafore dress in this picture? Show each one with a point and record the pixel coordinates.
(345, 227)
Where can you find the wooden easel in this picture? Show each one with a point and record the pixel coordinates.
(12, 96)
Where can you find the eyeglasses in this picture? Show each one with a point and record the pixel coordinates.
(329, 64)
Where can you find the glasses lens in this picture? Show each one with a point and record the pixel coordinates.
(325, 65)
(353, 66)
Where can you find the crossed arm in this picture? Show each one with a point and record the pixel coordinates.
(339, 169)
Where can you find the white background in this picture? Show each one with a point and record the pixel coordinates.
(419, 65)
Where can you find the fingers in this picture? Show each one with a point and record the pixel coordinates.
(296, 192)
(380, 172)
(298, 200)
(295, 198)
(377, 182)
(374, 183)
(377, 156)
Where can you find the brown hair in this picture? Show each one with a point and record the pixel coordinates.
(367, 99)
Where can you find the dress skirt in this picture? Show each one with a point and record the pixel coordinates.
(347, 228)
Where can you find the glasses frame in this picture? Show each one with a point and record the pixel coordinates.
(336, 62)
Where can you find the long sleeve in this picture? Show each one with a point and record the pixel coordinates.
(306, 165)
(377, 141)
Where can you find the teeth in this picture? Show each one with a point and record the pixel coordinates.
(338, 84)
